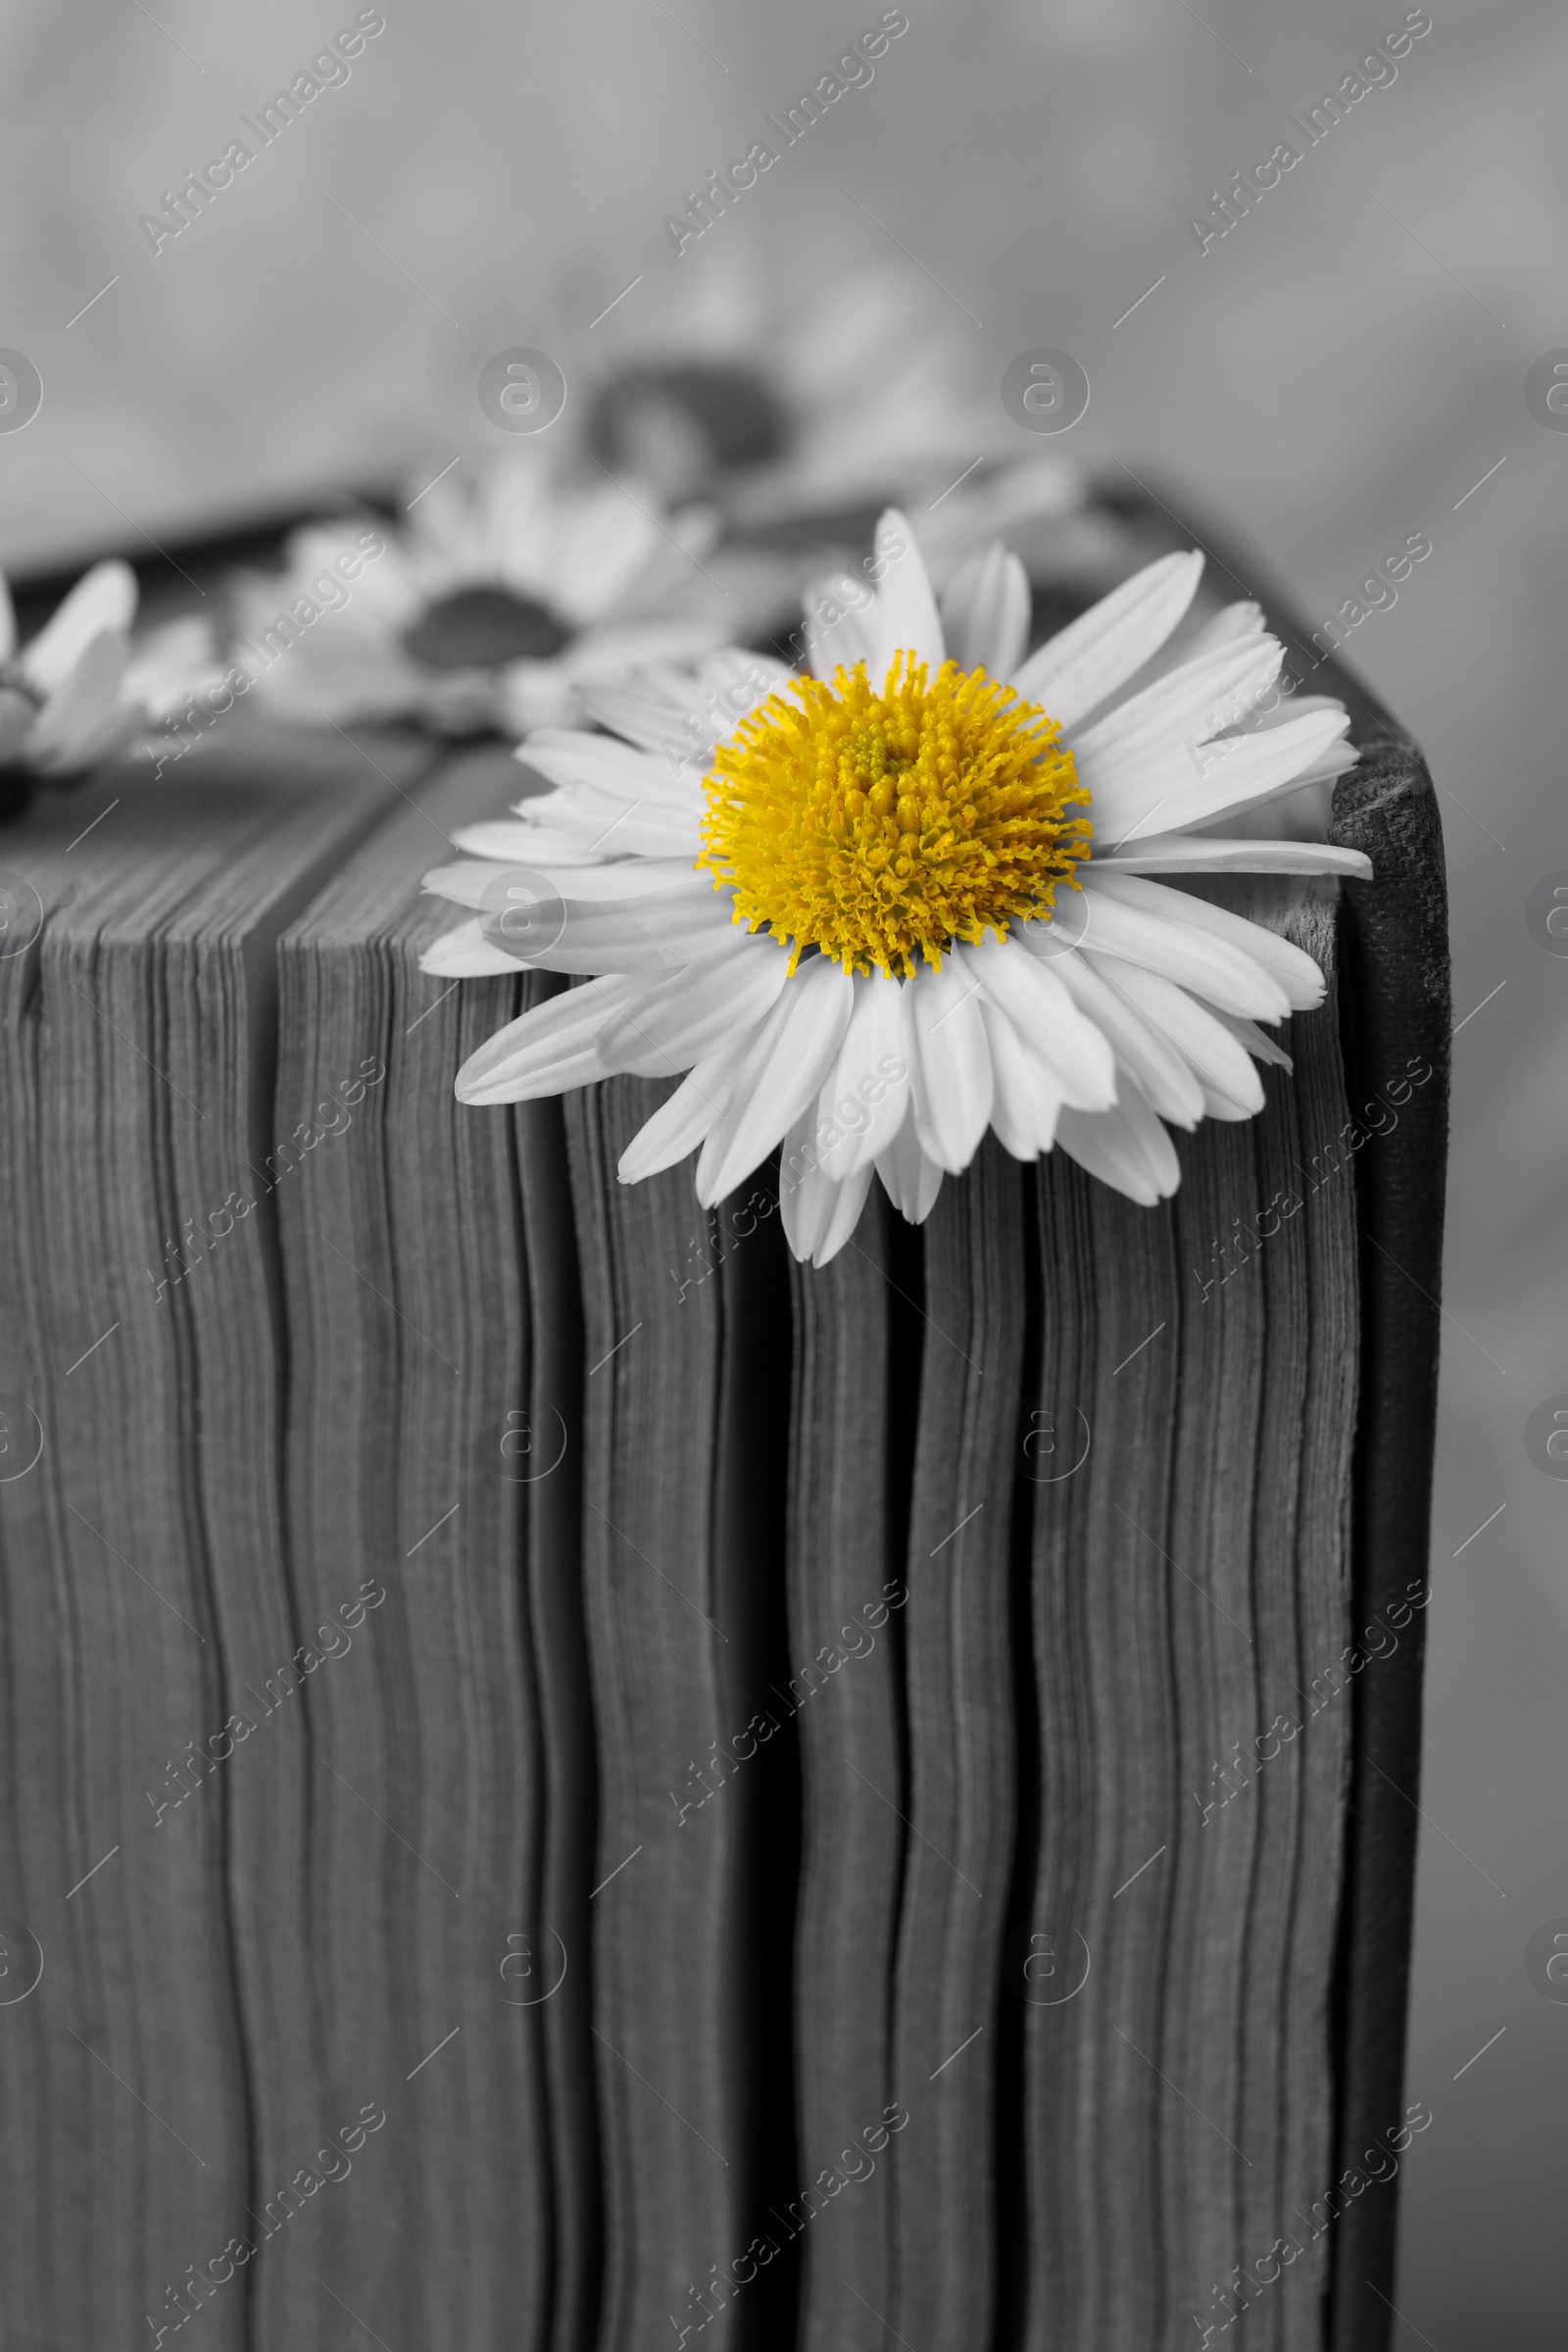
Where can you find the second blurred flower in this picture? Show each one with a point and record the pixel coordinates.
(500, 593)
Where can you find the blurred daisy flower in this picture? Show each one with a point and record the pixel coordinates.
(773, 407)
(80, 693)
(872, 911)
(500, 594)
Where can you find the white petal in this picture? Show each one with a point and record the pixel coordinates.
(1337, 760)
(1206, 853)
(76, 709)
(906, 613)
(1170, 722)
(1242, 619)
(780, 1075)
(612, 647)
(16, 715)
(602, 541)
(985, 611)
(679, 1021)
(1291, 965)
(1040, 1007)
(849, 1199)
(652, 709)
(1211, 967)
(864, 1103)
(1195, 637)
(88, 742)
(840, 628)
(1257, 1041)
(710, 702)
(1218, 1105)
(648, 708)
(911, 1181)
(723, 674)
(951, 1074)
(502, 524)
(566, 755)
(1295, 706)
(1126, 1147)
(658, 934)
(602, 825)
(1101, 649)
(517, 840)
(1189, 785)
(106, 598)
(171, 662)
(463, 953)
(547, 1050)
(680, 1125)
(1140, 1047)
(1025, 1102)
(598, 928)
(636, 878)
(804, 1191)
(1222, 1065)
(818, 1215)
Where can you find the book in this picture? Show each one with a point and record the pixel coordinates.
(578, 1783)
(140, 1527)
(449, 1824)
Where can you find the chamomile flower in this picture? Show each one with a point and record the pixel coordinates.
(80, 693)
(503, 590)
(873, 912)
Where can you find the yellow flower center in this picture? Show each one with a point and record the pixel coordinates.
(882, 827)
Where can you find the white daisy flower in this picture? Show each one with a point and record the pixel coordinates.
(913, 899)
(80, 693)
(502, 591)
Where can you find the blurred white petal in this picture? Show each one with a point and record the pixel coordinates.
(104, 600)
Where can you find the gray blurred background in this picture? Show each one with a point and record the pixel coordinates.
(1336, 375)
